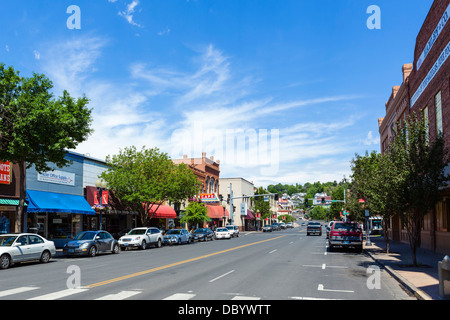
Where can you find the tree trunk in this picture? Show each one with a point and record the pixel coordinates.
(386, 234)
(22, 194)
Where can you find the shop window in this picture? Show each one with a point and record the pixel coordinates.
(437, 102)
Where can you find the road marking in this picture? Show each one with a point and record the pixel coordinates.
(310, 298)
(273, 251)
(60, 294)
(144, 272)
(245, 298)
(122, 295)
(321, 288)
(225, 274)
(180, 296)
(16, 291)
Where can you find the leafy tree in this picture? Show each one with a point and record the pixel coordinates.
(35, 128)
(262, 206)
(196, 213)
(145, 179)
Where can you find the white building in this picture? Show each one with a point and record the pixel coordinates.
(241, 188)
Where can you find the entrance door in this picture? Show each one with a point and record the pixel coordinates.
(42, 226)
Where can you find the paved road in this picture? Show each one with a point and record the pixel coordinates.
(282, 265)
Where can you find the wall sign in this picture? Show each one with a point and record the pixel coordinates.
(5, 172)
(57, 177)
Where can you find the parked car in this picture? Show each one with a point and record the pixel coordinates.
(141, 238)
(314, 228)
(22, 247)
(222, 233)
(276, 226)
(177, 236)
(267, 228)
(203, 234)
(91, 243)
(289, 225)
(329, 228)
(234, 230)
(346, 234)
(283, 225)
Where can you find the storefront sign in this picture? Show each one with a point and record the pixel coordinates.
(243, 209)
(57, 177)
(434, 36)
(208, 197)
(433, 71)
(5, 172)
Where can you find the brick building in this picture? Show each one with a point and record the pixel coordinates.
(425, 91)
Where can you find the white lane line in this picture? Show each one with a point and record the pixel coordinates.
(245, 298)
(180, 296)
(273, 251)
(59, 294)
(120, 296)
(321, 288)
(225, 274)
(16, 291)
(310, 298)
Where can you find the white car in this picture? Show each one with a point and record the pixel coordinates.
(21, 247)
(141, 238)
(222, 233)
(234, 230)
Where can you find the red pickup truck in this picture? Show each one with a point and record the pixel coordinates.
(346, 234)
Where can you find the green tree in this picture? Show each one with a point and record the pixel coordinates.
(35, 128)
(145, 179)
(261, 206)
(196, 213)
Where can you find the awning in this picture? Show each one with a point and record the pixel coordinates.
(250, 215)
(40, 201)
(216, 212)
(163, 212)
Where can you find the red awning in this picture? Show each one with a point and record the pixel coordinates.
(216, 212)
(163, 212)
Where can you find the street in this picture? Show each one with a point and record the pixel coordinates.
(282, 265)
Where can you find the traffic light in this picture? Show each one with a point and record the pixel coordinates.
(323, 200)
(306, 203)
(276, 197)
(228, 199)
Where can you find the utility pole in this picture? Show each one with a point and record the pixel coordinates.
(231, 204)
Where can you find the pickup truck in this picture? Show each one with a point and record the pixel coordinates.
(346, 234)
(314, 228)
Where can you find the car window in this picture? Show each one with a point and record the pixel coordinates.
(136, 232)
(155, 231)
(22, 241)
(87, 235)
(7, 241)
(32, 239)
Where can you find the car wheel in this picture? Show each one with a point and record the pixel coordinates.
(5, 261)
(115, 249)
(159, 243)
(143, 245)
(45, 257)
(92, 251)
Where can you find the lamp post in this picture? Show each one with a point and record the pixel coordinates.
(101, 185)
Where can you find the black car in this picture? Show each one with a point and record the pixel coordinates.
(90, 243)
(203, 234)
(314, 228)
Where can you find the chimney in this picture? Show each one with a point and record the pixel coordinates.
(406, 69)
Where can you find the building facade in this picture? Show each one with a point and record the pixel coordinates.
(9, 195)
(425, 91)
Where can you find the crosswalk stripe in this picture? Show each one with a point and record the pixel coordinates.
(120, 296)
(245, 298)
(16, 291)
(180, 296)
(60, 294)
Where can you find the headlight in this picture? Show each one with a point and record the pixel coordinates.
(84, 245)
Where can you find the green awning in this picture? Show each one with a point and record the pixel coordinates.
(10, 202)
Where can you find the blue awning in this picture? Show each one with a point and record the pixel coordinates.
(40, 201)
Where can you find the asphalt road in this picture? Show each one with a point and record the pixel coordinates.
(282, 265)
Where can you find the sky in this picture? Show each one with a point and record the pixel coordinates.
(278, 91)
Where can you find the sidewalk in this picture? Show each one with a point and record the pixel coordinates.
(422, 281)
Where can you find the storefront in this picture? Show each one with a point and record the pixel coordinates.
(219, 216)
(56, 216)
(9, 196)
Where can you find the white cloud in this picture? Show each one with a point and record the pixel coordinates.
(371, 140)
(37, 55)
(129, 13)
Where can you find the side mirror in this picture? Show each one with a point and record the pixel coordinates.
(97, 237)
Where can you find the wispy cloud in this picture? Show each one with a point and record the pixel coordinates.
(129, 13)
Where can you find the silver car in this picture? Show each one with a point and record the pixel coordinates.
(22, 247)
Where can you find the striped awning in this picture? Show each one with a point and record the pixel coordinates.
(9, 202)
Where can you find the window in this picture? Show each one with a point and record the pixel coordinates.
(35, 239)
(425, 117)
(437, 102)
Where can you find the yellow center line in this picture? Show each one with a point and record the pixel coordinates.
(129, 276)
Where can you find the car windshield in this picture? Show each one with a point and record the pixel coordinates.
(136, 231)
(222, 230)
(230, 227)
(174, 231)
(89, 235)
(346, 226)
(7, 241)
(200, 230)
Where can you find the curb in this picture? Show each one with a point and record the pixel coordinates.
(408, 286)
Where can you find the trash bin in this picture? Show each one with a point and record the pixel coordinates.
(444, 277)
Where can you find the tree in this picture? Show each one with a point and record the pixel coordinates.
(336, 207)
(35, 128)
(421, 162)
(261, 206)
(196, 213)
(145, 179)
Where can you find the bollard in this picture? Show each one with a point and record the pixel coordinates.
(444, 278)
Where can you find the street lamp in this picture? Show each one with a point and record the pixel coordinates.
(101, 185)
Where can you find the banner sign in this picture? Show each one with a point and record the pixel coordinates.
(5, 172)
(208, 197)
(57, 177)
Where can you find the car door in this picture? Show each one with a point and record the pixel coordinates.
(36, 246)
(21, 249)
(102, 241)
(151, 237)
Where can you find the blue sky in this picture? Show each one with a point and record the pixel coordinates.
(298, 84)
